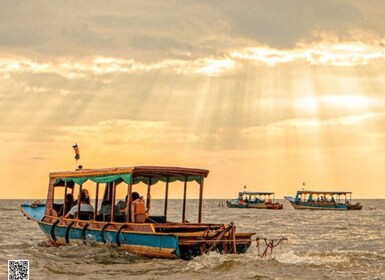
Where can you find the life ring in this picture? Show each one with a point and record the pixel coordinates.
(118, 233)
(102, 232)
(53, 230)
(68, 231)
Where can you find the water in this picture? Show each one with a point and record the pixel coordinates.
(321, 245)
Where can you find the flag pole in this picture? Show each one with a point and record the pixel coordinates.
(77, 154)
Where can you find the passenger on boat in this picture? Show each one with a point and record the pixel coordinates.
(106, 209)
(332, 200)
(68, 203)
(87, 194)
(122, 204)
(138, 209)
(83, 207)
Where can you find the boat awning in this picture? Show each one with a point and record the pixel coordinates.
(255, 193)
(145, 174)
(324, 192)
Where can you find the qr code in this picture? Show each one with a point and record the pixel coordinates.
(18, 269)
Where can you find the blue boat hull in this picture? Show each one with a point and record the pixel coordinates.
(231, 204)
(169, 241)
(316, 205)
(143, 243)
(147, 244)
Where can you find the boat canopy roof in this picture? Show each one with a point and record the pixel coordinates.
(255, 193)
(146, 174)
(324, 192)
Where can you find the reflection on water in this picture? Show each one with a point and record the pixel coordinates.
(322, 244)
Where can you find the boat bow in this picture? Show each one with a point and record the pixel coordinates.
(34, 211)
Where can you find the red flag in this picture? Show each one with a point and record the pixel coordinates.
(76, 149)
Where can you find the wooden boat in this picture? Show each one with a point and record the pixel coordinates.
(256, 200)
(323, 200)
(156, 237)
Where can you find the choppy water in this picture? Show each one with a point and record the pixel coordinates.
(321, 245)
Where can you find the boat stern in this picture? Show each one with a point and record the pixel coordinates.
(289, 198)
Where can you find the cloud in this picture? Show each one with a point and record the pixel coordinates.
(348, 54)
(338, 55)
(148, 31)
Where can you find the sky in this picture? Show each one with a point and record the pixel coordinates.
(264, 94)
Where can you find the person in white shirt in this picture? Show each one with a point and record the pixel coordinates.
(84, 207)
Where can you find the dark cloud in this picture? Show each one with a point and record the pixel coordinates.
(147, 30)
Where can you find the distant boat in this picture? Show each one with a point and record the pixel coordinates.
(152, 236)
(323, 200)
(256, 200)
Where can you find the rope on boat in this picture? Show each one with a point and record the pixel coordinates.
(270, 244)
(223, 236)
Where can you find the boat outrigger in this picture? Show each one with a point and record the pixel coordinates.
(257, 200)
(323, 200)
(155, 237)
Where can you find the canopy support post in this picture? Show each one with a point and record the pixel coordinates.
(166, 199)
(79, 196)
(148, 202)
(184, 200)
(96, 201)
(113, 200)
(200, 200)
(65, 199)
(129, 200)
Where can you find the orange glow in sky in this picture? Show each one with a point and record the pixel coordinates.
(267, 104)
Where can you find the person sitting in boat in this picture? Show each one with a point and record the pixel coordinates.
(138, 209)
(122, 204)
(105, 210)
(69, 202)
(87, 194)
(332, 200)
(84, 207)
